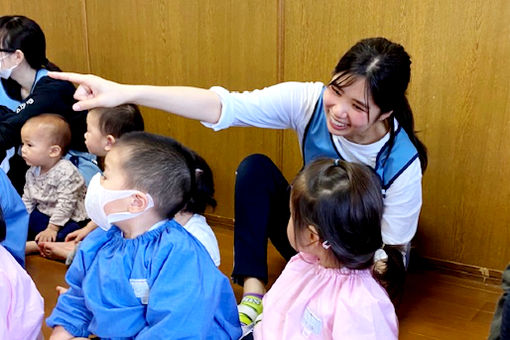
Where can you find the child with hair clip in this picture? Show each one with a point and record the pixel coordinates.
(191, 216)
(144, 277)
(328, 290)
(21, 305)
(54, 190)
(104, 127)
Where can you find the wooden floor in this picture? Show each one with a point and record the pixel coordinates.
(436, 306)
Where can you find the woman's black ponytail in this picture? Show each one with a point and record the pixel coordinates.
(404, 116)
(50, 66)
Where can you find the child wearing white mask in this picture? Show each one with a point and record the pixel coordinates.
(104, 127)
(144, 277)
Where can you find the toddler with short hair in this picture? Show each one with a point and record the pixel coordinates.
(54, 191)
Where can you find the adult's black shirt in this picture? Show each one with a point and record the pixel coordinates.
(48, 96)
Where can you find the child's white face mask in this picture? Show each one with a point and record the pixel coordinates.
(97, 197)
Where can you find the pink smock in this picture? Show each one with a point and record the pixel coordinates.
(21, 305)
(309, 301)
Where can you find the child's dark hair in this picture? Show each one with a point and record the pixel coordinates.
(2, 225)
(343, 201)
(159, 166)
(119, 120)
(386, 67)
(56, 128)
(18, 32)
(203, 193)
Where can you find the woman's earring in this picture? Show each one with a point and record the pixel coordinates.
(326, 245)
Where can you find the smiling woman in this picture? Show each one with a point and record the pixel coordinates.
(362, 116)
(352, 114)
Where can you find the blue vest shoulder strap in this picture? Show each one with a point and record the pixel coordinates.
(40, 73)
(390, 166)
(317, 141)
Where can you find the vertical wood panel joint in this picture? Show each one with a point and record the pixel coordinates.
(86, 32)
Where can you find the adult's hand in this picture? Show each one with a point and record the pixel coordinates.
(93, 91)
(185, 101)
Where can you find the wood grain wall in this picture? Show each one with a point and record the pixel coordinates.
(459, 90)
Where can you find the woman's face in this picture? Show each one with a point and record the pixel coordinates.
(349, 113)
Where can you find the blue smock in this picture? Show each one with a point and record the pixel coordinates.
(16, 219)
(159, 285)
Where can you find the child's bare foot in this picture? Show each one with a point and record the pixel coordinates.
(31, 247)
(61, 290)
(56, 250)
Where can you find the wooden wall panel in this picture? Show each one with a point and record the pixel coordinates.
(199, 43)
(63, 23)
(460, 95)
(459, 88)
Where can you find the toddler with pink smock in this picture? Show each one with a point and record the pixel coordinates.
(329, 290)
(21, 305)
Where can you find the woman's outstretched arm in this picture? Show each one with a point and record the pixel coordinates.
(189, 102)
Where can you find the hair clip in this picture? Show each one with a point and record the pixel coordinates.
(326, 245)
(380, 254)
(337, 162)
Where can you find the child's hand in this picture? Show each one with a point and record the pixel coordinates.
(59, 333)
(48, 235)
(80, 234)
(61, 290)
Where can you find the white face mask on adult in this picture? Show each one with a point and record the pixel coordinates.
(97, 197)
(6, 73)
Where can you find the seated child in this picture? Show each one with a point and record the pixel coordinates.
(21, 305)
(54, 190)
(327, 290)
(104, 127)
(191, 216)
(16, 219)
(146, 277)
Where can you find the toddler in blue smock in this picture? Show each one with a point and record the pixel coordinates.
(146, 277)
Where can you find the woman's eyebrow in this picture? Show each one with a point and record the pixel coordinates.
(360, 103)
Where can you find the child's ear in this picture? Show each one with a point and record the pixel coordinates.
(312, 234)
(55, 151)
(139, 202)
(110, 140)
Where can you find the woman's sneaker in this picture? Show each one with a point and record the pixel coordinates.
(249, 309)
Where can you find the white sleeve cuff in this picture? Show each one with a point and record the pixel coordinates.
(226, 119)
